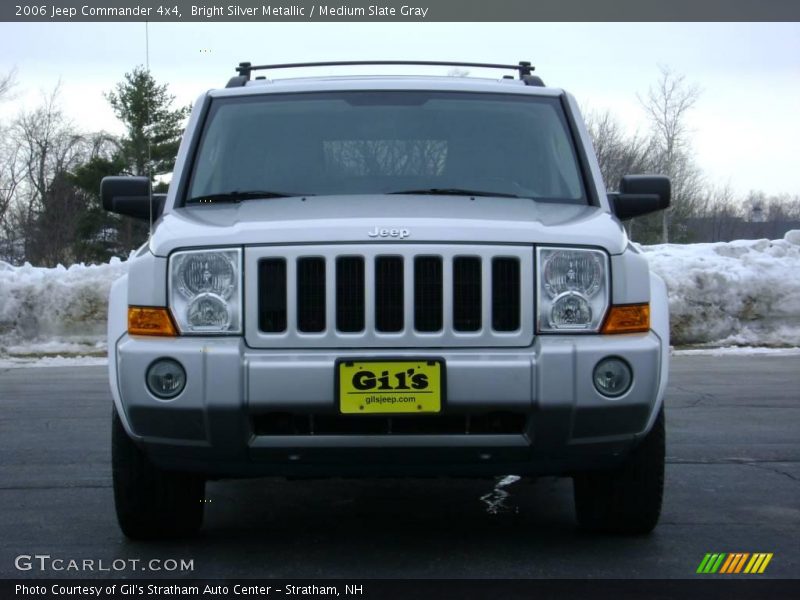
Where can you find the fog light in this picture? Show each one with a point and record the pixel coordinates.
(165, 378)
(612, 377)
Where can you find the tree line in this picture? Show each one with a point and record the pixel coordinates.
(50, 172)
(700, 211)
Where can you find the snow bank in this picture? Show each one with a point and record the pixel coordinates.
(55, 311)
(727, 294)
(739, 293)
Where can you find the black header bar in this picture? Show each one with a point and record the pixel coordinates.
(398, 11)
(401, 589)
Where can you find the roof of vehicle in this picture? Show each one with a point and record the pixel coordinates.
(384, 82)
(527, 83)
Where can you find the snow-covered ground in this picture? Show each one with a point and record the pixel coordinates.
(52, 361)
(742, 293)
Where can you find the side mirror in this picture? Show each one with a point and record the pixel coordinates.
(640, 195)
(130, 196)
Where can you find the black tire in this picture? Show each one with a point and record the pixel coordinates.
(152, 503)
(626, 500)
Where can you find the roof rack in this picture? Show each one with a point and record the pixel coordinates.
(524, 67)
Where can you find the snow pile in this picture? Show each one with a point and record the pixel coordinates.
(55, 311)
(740, 293)
(726, 294)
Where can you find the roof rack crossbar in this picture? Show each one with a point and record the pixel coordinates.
(245, 68)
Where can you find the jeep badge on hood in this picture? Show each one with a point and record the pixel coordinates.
(384, 233)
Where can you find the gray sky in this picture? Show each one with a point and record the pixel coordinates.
(746, 127)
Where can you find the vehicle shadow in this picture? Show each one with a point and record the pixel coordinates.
(384, 528)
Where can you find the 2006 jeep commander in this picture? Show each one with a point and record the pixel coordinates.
(372, 276)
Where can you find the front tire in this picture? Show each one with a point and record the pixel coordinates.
(152, 503)
(627, 500)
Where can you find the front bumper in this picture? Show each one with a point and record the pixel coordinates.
(210, 427)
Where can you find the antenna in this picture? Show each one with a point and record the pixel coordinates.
(147, 122)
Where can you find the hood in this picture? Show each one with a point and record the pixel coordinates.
(412, 219)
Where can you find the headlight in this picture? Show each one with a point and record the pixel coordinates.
(205, 291)
(572, 294)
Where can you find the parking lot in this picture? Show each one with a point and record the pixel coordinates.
(733, 485)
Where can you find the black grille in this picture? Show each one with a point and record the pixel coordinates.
(389, 293)
(343, 290)
(505, 294)
(311, 295)
(497, 423)
(272, 295)
(350, 294)
(428, 293)
(467, 293)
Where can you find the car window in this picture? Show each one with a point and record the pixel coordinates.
(385, 142)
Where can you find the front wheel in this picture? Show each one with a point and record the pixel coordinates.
(152, 503)
(627, 500)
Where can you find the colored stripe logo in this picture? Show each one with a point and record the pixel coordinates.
(734, 562)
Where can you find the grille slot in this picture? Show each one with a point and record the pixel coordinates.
(350, 294)
(467, 293)
(496, 423)
(505, 294)
(272, 295)
(428, 293)
(311, 295)
(389, 293)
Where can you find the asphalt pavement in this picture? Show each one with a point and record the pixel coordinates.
(733, 485)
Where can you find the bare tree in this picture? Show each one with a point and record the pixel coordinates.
(721, 214)
(10, 175)
(10, 171)
(47, 146)
(667, 105)
(49, 143)
(7, 83)
(618, 153)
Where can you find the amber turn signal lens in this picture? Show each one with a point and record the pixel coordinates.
(150, 320)
(628, 318)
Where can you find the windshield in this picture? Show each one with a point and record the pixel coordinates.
(385, 142)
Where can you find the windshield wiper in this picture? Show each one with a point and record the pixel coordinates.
(240, 195)
(454, 192)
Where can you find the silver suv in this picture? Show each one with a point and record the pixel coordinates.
(395, 276)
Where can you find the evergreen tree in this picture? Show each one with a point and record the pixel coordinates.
(150, 144)
(98, 231)
(145, 108)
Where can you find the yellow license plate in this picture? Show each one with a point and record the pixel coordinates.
(390, 386)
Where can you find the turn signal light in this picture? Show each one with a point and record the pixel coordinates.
(628, 318)
(150, 320)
